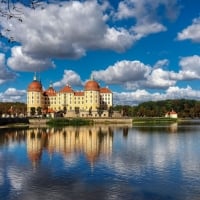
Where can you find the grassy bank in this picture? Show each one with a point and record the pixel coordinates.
(68, 122)
(153, 120)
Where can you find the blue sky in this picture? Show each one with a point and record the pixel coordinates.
(141, 49)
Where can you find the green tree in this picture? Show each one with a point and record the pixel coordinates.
(39, 110)
(99, 111)
(33, 111)
(110, 111)
(77, 110)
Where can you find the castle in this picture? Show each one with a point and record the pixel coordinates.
(93, 101)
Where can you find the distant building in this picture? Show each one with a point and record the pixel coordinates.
(171, 114)
(93, 101)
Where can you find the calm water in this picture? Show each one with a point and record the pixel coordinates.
(101, 163)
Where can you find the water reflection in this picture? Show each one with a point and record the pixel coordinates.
(145, 163)
(91, 142)
(169, 128)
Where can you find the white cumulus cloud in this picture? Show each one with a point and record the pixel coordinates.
(69, 78)
(135, 75)
(147, 9)
(191, 63)
(144, 14)
(161, 79)
(20, 61)
(191, 32)
(5, 74)
(139, 96)
(62, 31)
(13, 95)
(123, 71)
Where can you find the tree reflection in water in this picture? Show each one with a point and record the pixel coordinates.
(89, 141)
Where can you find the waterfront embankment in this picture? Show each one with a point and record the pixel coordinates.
(82, 121)
(41, 121)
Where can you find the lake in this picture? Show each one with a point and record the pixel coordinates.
(101, 163)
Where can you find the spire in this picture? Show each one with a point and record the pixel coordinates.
(39, 76)
(51, 84)
(92, 77)
(35, 77)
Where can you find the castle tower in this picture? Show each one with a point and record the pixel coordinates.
(92, 95)
(34, 96)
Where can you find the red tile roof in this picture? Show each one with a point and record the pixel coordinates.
(67, 89)
(105, 90)
(50, 92)
(78, 93)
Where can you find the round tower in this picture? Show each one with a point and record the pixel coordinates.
(92, 96)
(34, 97)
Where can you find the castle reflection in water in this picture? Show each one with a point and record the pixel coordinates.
(89, 141)
(92, 141)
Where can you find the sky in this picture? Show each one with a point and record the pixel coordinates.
(143, 50)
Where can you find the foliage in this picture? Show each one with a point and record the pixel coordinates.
(17, 108)
(39, 110)
(184, 108)
(11, 9)
(153, 120)
(32, 110)
(66, 122)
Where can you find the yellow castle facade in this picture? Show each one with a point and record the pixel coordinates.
(93, 101)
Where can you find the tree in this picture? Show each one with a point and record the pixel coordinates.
(32, 110)
(99, 111)
(90, 111)
(11, 9)
(110, 111)
(39, 110)
(65, 109)
(77, 110)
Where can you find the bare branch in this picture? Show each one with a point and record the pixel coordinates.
(9, 9)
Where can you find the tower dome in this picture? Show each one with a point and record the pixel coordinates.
(35, 86)
(92, 85)
(50, 92)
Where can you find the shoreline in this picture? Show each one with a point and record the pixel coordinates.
(28, 122)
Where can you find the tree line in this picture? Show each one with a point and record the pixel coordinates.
(184, 107)
(13, 108)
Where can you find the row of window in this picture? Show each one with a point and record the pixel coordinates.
(82, 98)
(53, 100)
